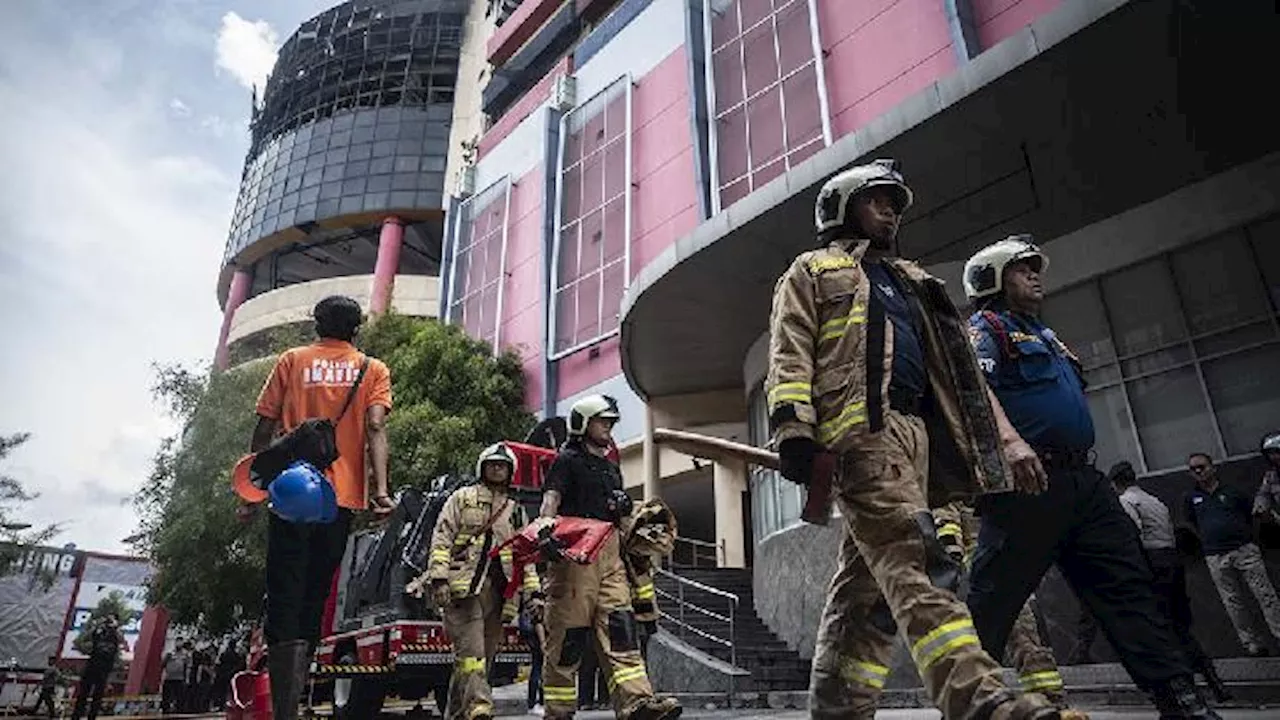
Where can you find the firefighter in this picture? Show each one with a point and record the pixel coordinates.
(589, 606)
(468, 587)
(864, 347)
(1034, 661)
(1071, 516)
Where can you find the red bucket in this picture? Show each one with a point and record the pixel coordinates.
(250, 696)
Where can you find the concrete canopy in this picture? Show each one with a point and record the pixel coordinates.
(1093, 109)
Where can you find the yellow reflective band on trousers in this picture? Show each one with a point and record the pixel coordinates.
(1044, 680)
(552, 693)
(440, 554)
(469, 665)
(835, 328)
(531, 582)
(864, 673)
(481, 708)
(790, 392)
(625, 674)
(949, 529)
(852, 414)
(645, 592)
(932, 647)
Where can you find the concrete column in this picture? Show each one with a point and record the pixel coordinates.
(144, 670)
(730, 482)
(652, 462)
(236, 295)
(388, 264)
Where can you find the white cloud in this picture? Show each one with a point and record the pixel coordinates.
(179, 108)
(247, 49)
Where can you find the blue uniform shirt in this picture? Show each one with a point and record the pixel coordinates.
(908, 355)
(1038, 385)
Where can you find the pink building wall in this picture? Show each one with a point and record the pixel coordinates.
(664, 198)
(878, 53)
(521, 323)
(998, 19)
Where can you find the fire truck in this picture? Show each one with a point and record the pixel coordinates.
(385, 642)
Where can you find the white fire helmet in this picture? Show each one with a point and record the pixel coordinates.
(833, 200)
(1271, 443)
(497, 452)
(984, 272)
(591, 406)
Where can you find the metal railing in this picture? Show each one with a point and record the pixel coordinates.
(683, 608)
(689, 552)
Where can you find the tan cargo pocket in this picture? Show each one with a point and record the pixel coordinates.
(837, 285)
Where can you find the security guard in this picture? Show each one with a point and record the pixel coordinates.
(865, 350)
(468, 586)
(1037, 667)
(1076, 521)
(589, 606)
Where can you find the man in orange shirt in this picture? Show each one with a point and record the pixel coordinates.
(314, 381)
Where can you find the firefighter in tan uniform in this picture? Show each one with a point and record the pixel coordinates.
(467, 586)
(1025, 652)
(865, 352)
(589, 606)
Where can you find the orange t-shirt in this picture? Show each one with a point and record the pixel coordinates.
(312, 382)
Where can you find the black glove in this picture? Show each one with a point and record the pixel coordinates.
(549, 546)
(619, 504)
(796, 456)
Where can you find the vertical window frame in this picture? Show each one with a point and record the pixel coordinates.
(466, 219)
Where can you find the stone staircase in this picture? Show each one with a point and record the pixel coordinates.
(773, 666)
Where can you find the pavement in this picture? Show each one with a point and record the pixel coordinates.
(1109, 714)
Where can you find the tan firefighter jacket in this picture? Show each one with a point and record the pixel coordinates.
(648, 535)
(460, 543)
(831, 359)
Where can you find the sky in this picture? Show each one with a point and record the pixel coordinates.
(123, 128)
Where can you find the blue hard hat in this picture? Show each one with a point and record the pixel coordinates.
(302, 494)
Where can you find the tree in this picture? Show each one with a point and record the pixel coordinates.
(15, 534)
(452, 397)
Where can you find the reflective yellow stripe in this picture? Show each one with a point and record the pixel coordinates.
(867, 673)
(950, 528)
(505, 554)
(800, 392)
(531, 583)
(560, 694)
(932, 647)
(441, 554)
(837, 426)
(836, 327)
(822, 264)
(625, 674)
(462, 540)
(645, 592)
(481, 708)
(1044, 680)
(468, 665)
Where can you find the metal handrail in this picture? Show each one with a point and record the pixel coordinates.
(695, 547)
(679, 620)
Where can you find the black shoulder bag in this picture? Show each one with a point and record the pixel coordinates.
(315, 440)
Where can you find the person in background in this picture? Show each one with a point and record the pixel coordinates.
(1266, 502)
(1223, 516)
(106, 641)
(532, 633)
(173, 674)
(1155, 532)
(49, 687)
(230, 662)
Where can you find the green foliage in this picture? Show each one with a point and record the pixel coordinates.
(452, 397)
(270, 341)
(112, 604)
(13, 496)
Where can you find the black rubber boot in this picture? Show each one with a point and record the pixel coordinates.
(1180, 699)
(1216, 686)
(287, 663)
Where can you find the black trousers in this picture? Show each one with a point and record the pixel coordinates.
(1078, 524)
(1171, 593)
(45, 700)
(301, 559)
(93, 682)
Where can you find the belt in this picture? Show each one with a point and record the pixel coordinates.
(1063, 459)
(905, 401)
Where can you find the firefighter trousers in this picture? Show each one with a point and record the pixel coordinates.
(892, 575)
(1034, 662)
(1077, 523)
(474, 624)
(589, 610)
